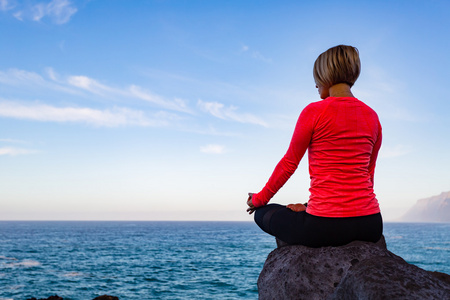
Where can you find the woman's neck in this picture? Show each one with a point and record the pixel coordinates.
(340, 90)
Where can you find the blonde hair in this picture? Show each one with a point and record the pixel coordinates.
(339, 64)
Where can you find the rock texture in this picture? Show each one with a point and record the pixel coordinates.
(381, 278)
(106, 297)
(358, 270)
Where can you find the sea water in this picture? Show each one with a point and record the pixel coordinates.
(164, 260)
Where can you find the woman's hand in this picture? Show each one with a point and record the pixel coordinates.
(296, 207)
(251, 208)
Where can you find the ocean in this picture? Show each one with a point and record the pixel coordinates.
(164, 260)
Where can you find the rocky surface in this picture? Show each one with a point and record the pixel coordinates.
(358, 270)
(105, 297)
(383, 278)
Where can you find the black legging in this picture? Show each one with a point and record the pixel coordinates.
(301, 228)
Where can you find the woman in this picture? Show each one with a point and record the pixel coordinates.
(343, 136)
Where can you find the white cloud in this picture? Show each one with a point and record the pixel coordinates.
(22, 78)
(52, 74)
(89, 84)
(11, 141)
(18, 15)
(6, 5)
(134, 91)
(219, 110)
(177, 104)
(255, 54)
(213, 149)
(106, 118)
(15, 76)
(38, 12)
(74, 83)
(59, 11)
(15, 151)
(259, 56)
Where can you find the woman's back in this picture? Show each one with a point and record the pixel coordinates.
(341, 158)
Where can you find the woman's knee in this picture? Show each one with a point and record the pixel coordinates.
(264, 214)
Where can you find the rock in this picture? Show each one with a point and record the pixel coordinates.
(55, 297)
(380, 278)
(105, 297)
(359, 270)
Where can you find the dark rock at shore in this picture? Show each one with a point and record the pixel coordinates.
(359, 270)
(105, 297)
(56, 297)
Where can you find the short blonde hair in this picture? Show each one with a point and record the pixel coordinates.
(339, 64)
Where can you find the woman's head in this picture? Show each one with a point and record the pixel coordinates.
(339, 64)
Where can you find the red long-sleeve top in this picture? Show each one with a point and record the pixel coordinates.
(343, 136)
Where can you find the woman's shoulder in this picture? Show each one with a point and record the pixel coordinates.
(367, 107)
(313, 110)
(317, 106)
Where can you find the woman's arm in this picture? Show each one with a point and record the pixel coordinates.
(289, 163)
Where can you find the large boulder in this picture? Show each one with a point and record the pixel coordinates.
(382, 278)
(359, 270)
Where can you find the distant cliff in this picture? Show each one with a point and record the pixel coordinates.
(433, 209)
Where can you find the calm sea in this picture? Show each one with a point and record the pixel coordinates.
(164, 260)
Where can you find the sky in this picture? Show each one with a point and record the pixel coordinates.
(175, 110)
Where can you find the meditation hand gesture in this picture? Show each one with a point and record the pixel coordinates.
(251, 208)
(296, 207)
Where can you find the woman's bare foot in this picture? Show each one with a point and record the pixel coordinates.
(296, 207)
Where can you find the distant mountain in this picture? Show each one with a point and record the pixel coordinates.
(433, 209)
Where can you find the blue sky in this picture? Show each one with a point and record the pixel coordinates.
(170, 110)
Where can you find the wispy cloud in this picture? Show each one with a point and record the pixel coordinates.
(22, 78)
(90, 88)
(15, 76)
(18, 15)
(15, 151)
(394, 151)
(81, 83)
(12, 141)
(258, 56)
(213, 149)
(230, 113)
(6, 5)
(88, 84)
(134, 91)
(105, 118)
(255, 54)
(177, 104)
(58, 11)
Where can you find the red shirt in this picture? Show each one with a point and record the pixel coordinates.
(343, 136)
